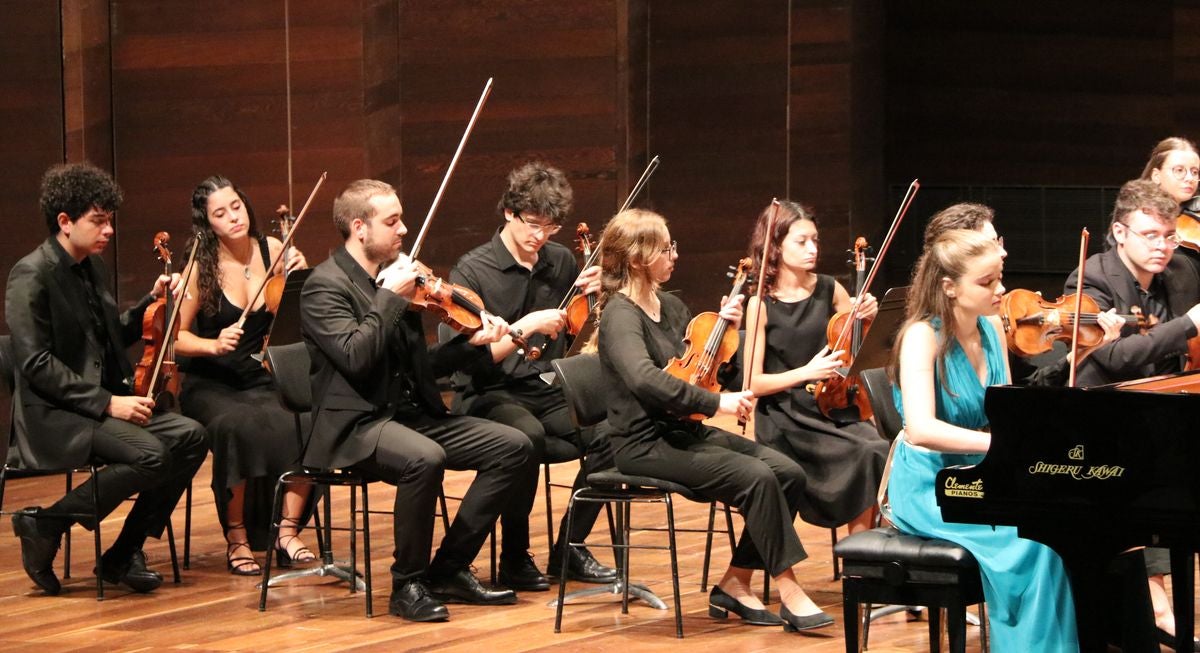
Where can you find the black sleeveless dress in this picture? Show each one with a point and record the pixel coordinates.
(252, 436)
(843, 461)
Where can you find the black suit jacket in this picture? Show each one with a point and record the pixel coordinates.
(1134, 356)
(57, 356)
(353, 332)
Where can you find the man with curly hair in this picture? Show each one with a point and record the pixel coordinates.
(74, 403)
(522, 276)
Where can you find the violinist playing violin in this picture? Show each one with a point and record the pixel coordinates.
(522, 276)
(74, 404)
(376, 405)
(226, 389)
(843, 460)
(641, 329)
(1141, 269)
(1050, 370)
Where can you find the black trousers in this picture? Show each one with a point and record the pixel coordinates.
(413, 455)
(766, 486)
(540, 412)
(156, 462)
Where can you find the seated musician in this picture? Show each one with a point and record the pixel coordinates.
(949, 350)
(74, 403)
(1140, 270)
(641, 329)
(843, 460)
(376, 405)
(522, 276)
(1052, 369)
(250, 433)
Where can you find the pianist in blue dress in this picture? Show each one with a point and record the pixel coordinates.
(950, 349)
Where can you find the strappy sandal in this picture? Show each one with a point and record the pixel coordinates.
(240, 565)
(284, 551)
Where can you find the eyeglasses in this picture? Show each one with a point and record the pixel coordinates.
(546, 229)
(673, 248)
(1181, 173)
(1170, 241)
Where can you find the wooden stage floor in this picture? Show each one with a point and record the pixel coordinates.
(214, 611)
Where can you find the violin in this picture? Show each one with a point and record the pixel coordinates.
(1187, 227)
(843, 398)
(273, 292)
(156, 375)
(457, 306)
(709, 343)
(1032, 323)
(577, 306)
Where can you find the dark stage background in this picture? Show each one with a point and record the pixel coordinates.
(1039, 109)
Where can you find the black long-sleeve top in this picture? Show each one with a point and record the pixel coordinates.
(643, 400)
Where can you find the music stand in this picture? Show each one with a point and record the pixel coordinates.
(876, 348)
(285, 329)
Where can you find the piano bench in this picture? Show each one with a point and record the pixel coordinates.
(883, 565)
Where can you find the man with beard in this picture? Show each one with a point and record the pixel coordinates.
(376, 406)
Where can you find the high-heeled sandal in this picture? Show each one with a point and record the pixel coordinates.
(241, 565)
(285, 553)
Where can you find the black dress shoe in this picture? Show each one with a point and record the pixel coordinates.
(462, 587)
(37, 552)
(721, 604)
(794, 622)
(522, 574)
(582, 566)
(132, 573)
(1169, 640)
(411, 600)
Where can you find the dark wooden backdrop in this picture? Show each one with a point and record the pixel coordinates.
(837, 103)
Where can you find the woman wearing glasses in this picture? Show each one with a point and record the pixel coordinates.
(641, 329)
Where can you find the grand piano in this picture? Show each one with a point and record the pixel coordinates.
(1091, 473)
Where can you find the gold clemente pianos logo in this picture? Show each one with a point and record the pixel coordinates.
(972, 490)
(1078, 472)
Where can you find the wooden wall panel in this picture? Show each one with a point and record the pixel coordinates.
(556, 96)
(31, 121)
(1076, 92)
(87, 82)
(717, 115)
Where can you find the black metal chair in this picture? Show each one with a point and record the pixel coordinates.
(583, 385)
(290, 366)
(11, 467)
(883, 565)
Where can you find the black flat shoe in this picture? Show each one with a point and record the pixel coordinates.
(463, 587)
(721, 604)
(37, 552)
(411, 600)
(1169, 640)
(795, 623)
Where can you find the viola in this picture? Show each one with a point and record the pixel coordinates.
(843, 397)
(1032, 323)
(578, 306)
(1187, 227)
(709, 343)
(156, 375)
(273, 292)
(457, 306)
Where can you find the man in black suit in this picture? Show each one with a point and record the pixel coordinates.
(73, 401)
(376, 405)
(1139, 273)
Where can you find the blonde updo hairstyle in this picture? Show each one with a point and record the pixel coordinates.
(631, 242)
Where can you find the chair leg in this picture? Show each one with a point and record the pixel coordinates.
(366, 546)
(984, 644)
(956, 627)
(936, 627)
(96, 534)
(626, 538)
(852, 614)
(493, 547)
(353, 540)
(444, 511)
(187, 528)
(67, 536)
(276, 517)
(837, 567)
(674, 566)
(562, 572)
(708, 538)
(171, 548)
(549, 507)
